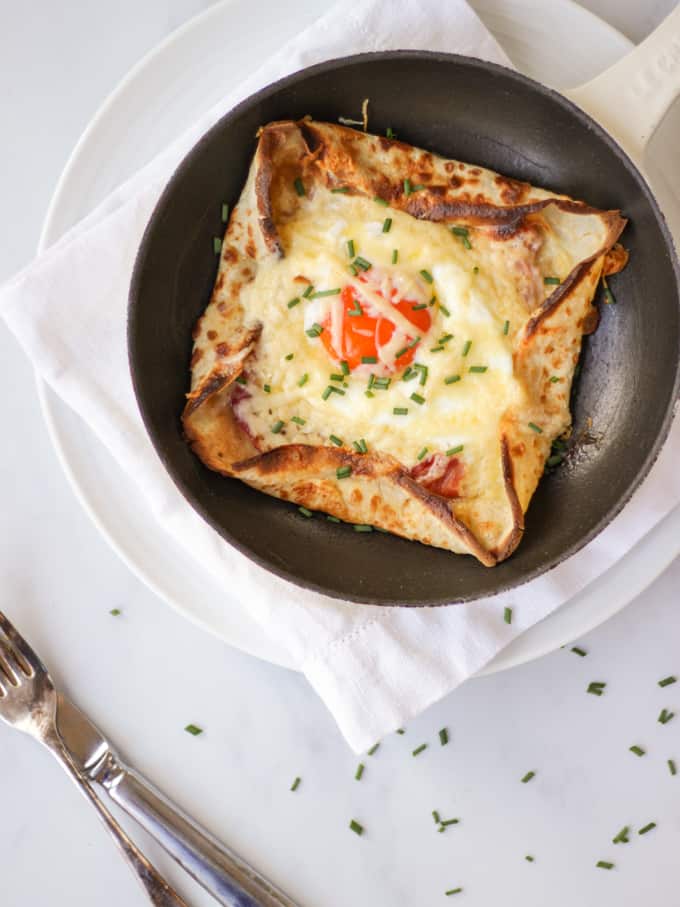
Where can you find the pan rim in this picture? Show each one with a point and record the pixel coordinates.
(291, 80)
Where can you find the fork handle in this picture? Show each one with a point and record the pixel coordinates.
(220, 871)
(158, 890)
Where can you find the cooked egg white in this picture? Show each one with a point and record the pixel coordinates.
(475, 296)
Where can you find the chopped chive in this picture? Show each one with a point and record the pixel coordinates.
(426, 276)
(362, 263)
(529, 858)
(299, 187)
(671, 766)
(308, 292)
(360, 446)
(665, 716)
(452, 451)
(478, 369)
(337, 377)
(452, 379)
(350, 248)
(327, 392)
(667, 681)
(298, 420)
(401, 352)
(335, 440)
(353, 271)
(424, 371)
(342, 189)
(608, 295)
(408, 373)
(447, 822)
(225, 212)
(305, 512)
(193, 729)
(395, 256)
(369, 360)
(343, 472)
(453, 891)
(115, 612)
(443, 309)
(295, 784)
(462, 234)
(437, 349)
(217, 245)
(579, 651)
(390, 133)
(344, 367)
(373, 748)
(551, 281)
(466, 347)
(555, 460)
(506, 327)
(414, 342)
(407, 187)
(418, 307)
(422, 453)
(400, 411)
(289, 357)
(369, 393)
(321, 293)
(356, 827)
(646, 828)
(603, 864)
(380, 201)
(435, 816)
(554, 379)
(316, 330)
(362, 527)
(241, 379)
(475, 270)
(444, 736)
(381, 383)
(332, 519)
(303, 380)
(418, 750)
(418, 399)
(507, 615)
(536, 428)
(277, 426)
(596, 687)
(387, 224)
(637, 750)
(622, 836)
(445, 338)
(356, 311)
(528, 777)
(359, 772)
(293, 302)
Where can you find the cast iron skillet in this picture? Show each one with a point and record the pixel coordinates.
(476, 112)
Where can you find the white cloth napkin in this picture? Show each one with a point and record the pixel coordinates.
(374, 667)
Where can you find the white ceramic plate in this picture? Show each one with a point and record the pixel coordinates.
(160, 97)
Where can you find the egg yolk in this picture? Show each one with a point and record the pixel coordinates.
(364, 336)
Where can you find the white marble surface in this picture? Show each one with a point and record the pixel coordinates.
(144, 675)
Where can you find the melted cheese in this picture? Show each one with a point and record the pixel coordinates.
(479, 289)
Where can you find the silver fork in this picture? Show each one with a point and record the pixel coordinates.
(28, 702)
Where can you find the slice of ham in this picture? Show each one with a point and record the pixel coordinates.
(440, 474)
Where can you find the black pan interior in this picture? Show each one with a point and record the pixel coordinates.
(476, 112)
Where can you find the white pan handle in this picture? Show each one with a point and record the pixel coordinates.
(631, 97)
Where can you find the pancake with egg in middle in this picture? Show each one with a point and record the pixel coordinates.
(392, 336)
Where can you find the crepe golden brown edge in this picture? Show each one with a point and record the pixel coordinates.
(380, 491)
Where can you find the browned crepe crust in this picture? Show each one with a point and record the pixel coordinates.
(380, 491)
